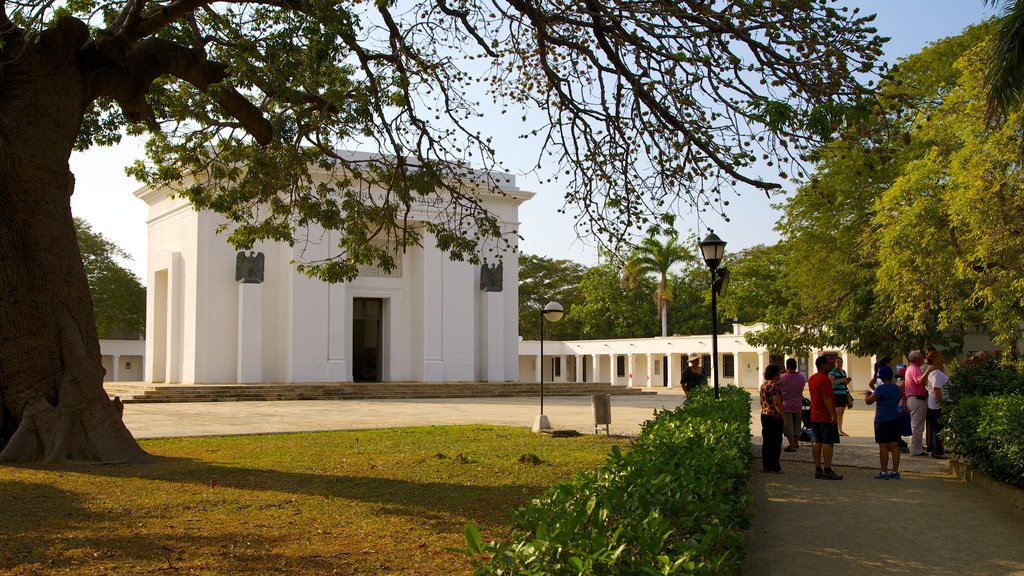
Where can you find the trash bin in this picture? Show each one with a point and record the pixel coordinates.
(602, 404)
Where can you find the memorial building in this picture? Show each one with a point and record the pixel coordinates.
(218, 315)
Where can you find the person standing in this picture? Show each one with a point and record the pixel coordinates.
(937, 380)
(886, 397)
(841, 388)
(917, 402)
(823, 419)
(875, 380)
(792, 383)
(771, 420)
(693, 375)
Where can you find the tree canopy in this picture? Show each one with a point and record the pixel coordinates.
(642, 107)
(656, 257)
(904, 233)
(599, 306)
(118, 297)
(543, 280)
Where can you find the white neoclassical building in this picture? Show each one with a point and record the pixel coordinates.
(430, 320)
(659, 362)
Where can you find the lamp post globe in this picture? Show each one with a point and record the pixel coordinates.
(553, 312)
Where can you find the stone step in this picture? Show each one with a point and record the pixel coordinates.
(138, 392)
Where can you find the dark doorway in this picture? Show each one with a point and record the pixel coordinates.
(367, 339)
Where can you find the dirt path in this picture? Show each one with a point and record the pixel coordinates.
(927, 523)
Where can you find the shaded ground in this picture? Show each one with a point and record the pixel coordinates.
(927, 523)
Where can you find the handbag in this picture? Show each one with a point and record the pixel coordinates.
(849, 400)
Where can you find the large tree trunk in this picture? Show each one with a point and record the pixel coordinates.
(53, 406)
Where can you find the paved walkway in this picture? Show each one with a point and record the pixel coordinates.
(927, 523)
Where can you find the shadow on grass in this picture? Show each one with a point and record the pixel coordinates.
(66, 540)
(47, 529)
(417, 500)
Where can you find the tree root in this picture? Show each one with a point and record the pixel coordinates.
(84, 425)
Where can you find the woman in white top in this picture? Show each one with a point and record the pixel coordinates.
(937, 380)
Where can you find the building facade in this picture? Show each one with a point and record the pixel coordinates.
(123, 360)
(215, 315)
(659, 362)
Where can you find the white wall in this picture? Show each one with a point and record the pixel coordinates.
(433, 312)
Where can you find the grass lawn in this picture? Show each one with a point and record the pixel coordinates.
(365, 502)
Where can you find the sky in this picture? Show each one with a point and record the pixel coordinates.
(104, 194)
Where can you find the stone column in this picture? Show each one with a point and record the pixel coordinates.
(737, 380)
(433, 312)
(674, 370)
(250, 333)
(493, 337)
(650, 371)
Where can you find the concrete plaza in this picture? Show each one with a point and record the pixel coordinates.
(565, 413)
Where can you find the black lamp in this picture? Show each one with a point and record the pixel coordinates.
(712, 248)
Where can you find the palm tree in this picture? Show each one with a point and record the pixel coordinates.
(1006, 73)
(655, 257)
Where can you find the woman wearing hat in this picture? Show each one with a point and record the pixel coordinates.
(693, 375)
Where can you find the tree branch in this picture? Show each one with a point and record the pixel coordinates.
(154, 57)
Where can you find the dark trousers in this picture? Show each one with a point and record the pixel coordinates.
(932, 427)
(771, 448)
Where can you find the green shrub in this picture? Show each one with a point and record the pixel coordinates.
(675, 503)
(988, 432)
(991, 376)
(984, 416)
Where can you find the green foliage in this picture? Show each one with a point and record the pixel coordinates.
(118, 297)
(675, 503)
(1005, 76)
(654, 257)
(987, 431)
(607, 310)
(248, 103)
(751, 295)
(984, 416)
(895, 242)
(997, 375)
(599, 305)
(543, 280)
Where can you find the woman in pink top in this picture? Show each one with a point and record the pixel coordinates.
(792, 385)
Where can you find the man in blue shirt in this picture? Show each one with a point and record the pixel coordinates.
(886, 397)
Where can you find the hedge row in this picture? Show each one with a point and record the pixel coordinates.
(984, 418)
(675, 503)
(988, 376)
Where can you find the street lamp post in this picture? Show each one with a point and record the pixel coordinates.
(553, 312)
(712, 248)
